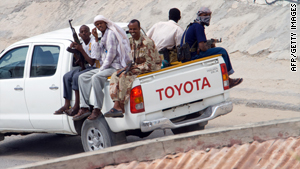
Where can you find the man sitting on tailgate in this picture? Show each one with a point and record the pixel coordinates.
(195, 34)
(146, 59)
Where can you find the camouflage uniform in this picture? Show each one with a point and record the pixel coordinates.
(146, 59)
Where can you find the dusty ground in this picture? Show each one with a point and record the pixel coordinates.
(242, 114)
(244, 25)
(266, 80)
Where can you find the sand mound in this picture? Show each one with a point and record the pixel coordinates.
(250, 27)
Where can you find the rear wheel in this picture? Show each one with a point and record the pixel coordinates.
(96, 135)
(194, 127)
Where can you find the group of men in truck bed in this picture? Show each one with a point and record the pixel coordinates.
(124, 59)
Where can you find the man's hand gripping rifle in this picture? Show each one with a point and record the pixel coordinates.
(77, 55)
(211, 43)
(129, 64)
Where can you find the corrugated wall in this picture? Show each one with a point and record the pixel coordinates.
(280, 153)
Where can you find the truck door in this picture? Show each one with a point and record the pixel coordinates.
(43, 87)
(13, 110)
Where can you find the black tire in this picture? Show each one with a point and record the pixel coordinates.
(185, 129)
(96, 135)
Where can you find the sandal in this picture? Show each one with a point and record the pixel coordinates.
(114, 113)
(71, 112)
(60, 111)
(95, 114)
(83, 112)
(234, 82)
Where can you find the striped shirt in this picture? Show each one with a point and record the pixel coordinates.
(106, 51)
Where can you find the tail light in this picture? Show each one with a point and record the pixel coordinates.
(225, 76)
(136, 100)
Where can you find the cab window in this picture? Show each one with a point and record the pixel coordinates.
(44, 60)
(12, 63)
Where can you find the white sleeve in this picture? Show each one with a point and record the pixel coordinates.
(178, 36)
(150, 31)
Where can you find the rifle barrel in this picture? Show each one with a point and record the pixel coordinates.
(70, 23)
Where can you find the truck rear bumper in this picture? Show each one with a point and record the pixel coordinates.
(210, 113)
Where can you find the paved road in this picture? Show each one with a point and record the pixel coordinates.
(18, 150)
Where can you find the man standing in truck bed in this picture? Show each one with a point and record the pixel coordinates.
(146, 59)
(167, 35)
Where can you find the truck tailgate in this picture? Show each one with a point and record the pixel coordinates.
(183, 83)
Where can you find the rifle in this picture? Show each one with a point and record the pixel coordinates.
(213, 41)
(77, 55)
(129, 64)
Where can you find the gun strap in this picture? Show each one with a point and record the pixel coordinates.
(193, 48)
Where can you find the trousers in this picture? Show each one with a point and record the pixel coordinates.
(120, 87)
(95, 79)
(70, 81)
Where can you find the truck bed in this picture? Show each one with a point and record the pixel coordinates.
(175, 91)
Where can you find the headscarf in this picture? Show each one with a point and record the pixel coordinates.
(203, 19)
(124, 45)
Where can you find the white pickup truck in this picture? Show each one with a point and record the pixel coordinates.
(182, 97)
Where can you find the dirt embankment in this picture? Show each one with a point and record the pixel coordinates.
(255, 29)
(256, 35)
